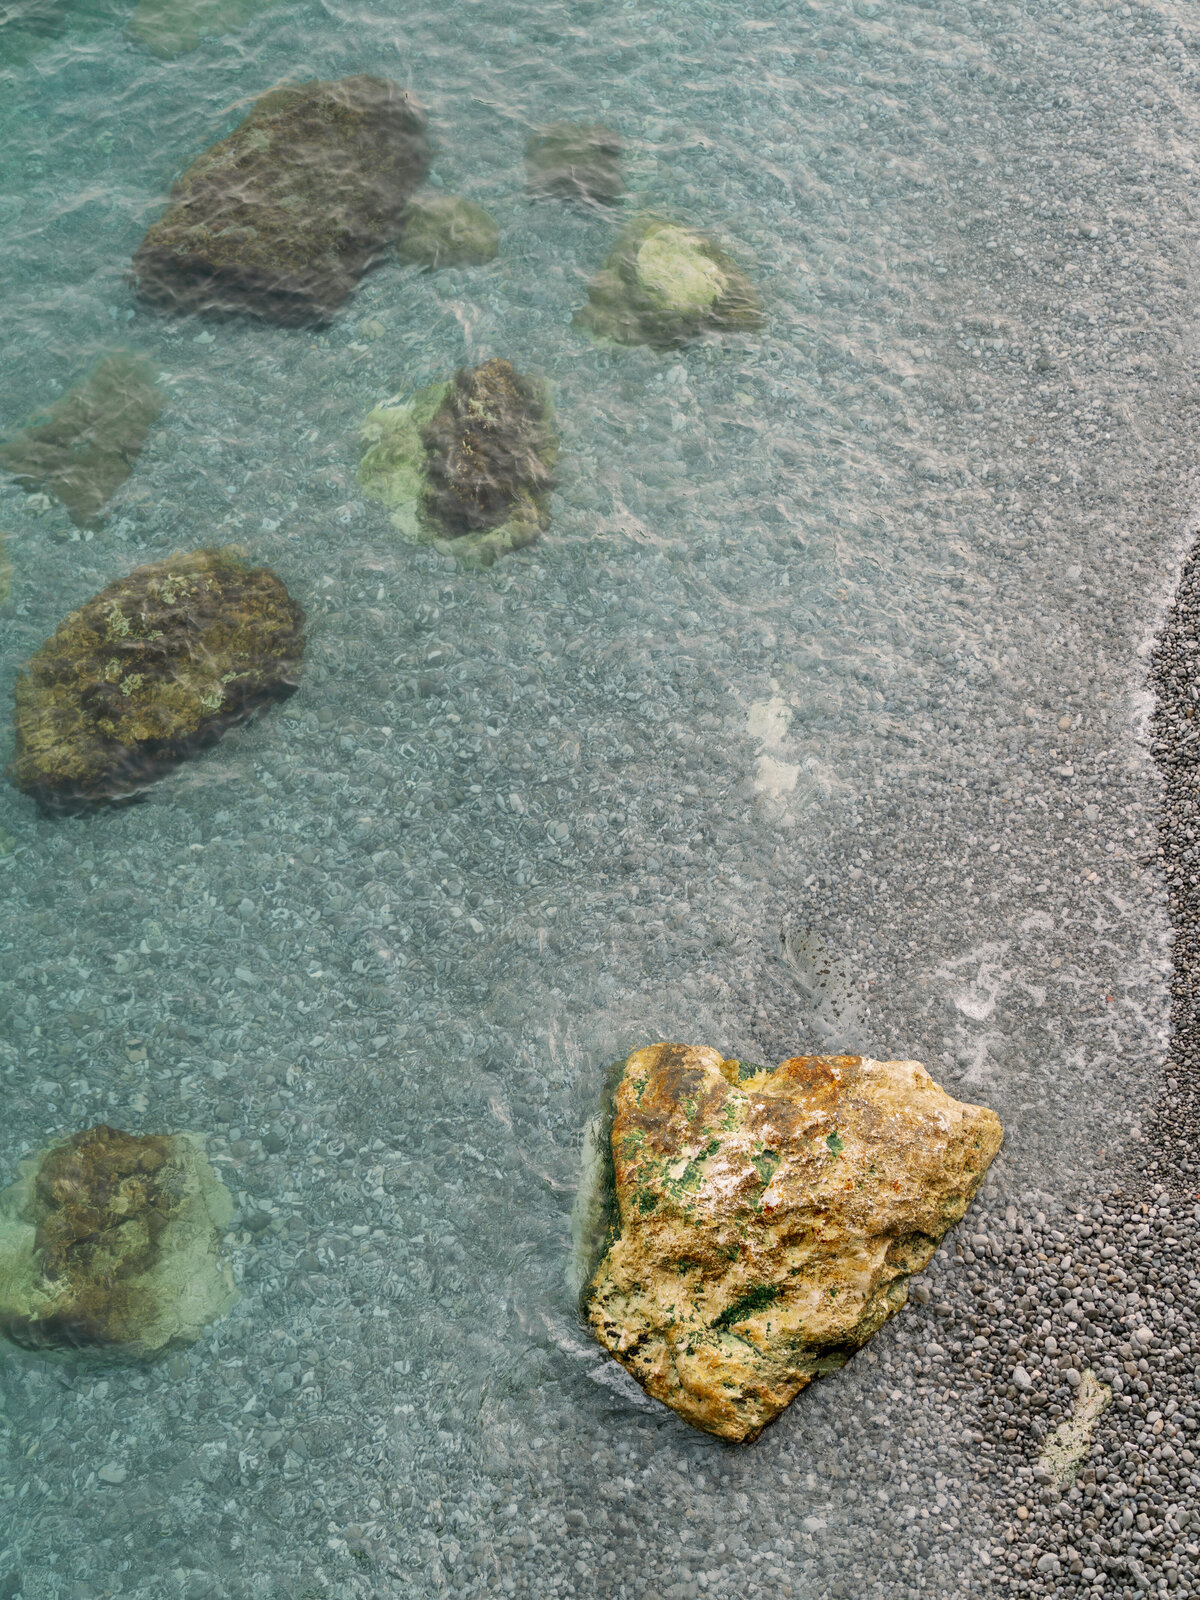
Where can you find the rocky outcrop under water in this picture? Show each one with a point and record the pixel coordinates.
(82, 449)
(447, 231)
(113, 1239)
(170, 28)
(156, 666)
(575, 161)
(767, 1222)
(283, 216)
(664, 284)
(466, 465)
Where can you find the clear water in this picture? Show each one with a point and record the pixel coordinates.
(831, 653)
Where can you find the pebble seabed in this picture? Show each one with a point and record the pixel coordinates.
(382, 943)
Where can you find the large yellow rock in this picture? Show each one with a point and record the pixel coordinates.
(767, 1222)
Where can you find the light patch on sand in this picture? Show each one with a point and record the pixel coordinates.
(767, 723)
(1069, 1442)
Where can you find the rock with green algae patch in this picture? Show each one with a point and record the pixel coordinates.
(113, 1241)
(447, 231)
(282, 217)
(83, 447)
(150, 670)
(664, 284)
(766, 1223)
(466, 465)
(575, 161)
(170, 28)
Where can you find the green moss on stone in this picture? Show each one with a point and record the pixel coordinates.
(82, 449)
(113, 1240)
(151, 669)
(465, 465)
(448, 231)
(663, 284)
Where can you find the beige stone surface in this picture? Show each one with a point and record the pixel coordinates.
(768, 1222)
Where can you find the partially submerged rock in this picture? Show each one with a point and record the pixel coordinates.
(170, 28)
(575, 161)
(156, 666)
(767, 1222)
(283, 216)
(114, 1240)
(466, 465)
(663, 284)
(447, 231)
(83, 447)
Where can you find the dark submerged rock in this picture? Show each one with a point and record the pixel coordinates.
(153, 668)
(84, 446)
(485, 450)
(283, 216)
(575, 161)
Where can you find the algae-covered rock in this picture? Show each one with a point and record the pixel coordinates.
(156, 666)
(663, 284)
(170, 28)
(575, 161)
(84, 446)
(283, 216)
(447, 231)
(767, 1222)
(113, 1240)
(466, 465)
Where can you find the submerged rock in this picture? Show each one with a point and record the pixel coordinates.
(6, 572)
(575, 161)
(113, 1239)
(448, 231)
(170, 28)
(466, 465)
(767, 1222)
(25, 25)
(82, 449)
(156, 666)
(283, 216)
(663, 284)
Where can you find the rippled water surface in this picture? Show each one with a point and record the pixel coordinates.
(830, 654)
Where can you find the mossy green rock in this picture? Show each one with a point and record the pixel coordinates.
(283, 216)
(448, 231)
(575, 161)
(113, 1241)
(465, 465)
(153, 668)
(82, 449)
(664, 284)
(170, 28)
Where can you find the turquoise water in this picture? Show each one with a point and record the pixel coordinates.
(830, 654)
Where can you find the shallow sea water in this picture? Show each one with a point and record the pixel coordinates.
(832, 660)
